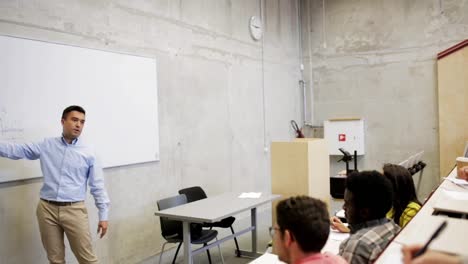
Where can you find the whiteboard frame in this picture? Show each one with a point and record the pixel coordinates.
(149, 79)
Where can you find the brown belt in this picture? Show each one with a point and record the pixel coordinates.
(60, 203)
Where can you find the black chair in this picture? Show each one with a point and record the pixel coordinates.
(196, 193)
(172, 230)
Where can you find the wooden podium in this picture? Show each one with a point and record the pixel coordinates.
(301, 167)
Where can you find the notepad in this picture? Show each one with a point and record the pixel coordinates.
(452, 201)
(461, 182)
(338, 236)
(250, 195)
(340, 214)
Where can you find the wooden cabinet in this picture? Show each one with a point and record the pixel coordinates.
(301, 167)
(452, 80)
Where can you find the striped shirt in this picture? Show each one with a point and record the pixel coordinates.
(367, 240)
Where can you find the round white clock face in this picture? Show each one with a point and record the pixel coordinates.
(256, 28)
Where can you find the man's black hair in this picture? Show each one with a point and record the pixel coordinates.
(72, 108)
(370, 190)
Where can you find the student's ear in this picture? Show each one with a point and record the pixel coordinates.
(288, 238)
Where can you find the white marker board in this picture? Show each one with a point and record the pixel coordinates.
(118, 91)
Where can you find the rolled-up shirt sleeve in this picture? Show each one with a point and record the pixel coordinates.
(15, 151)
(98, 190)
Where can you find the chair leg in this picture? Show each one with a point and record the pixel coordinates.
(237, 244)
(162, 251)
(177, 252)
(208, 253)
(220, 254)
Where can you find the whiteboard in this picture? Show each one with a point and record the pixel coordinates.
(344, 133)
(118, 91)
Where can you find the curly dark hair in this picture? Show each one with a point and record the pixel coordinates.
(370, 190)
(307, 219)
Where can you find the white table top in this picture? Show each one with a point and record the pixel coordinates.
(422, 226)
(215, 208)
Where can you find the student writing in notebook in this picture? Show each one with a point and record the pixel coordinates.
(430, 257)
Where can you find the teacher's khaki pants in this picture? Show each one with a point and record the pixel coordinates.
(72, 219)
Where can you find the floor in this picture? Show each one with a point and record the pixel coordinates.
(227, 249)
(228, 255)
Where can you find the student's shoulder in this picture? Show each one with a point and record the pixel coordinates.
(376, 234)
(413, 206)
(331, 258)
(360, 239)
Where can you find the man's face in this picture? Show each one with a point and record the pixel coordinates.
(349, 208)
(279, 244)
(73, 124)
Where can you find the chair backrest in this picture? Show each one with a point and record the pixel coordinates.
(194, 193)
(171, 228)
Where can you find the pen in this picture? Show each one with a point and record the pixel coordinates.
(434, 236)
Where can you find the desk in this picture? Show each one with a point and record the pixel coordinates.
(421, 227)
(213, 209)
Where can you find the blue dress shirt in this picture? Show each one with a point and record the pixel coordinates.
(67, 170)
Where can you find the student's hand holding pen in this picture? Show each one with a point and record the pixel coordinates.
(336, 224)
(429, 257)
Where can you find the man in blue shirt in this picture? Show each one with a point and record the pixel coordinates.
(68, 167)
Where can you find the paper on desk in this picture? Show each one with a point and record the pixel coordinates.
(340, 214)
(452, 201)
(250, 195)
(337, 235)
(333, 242)
(458, 181)
(391, 255)
(461, 196)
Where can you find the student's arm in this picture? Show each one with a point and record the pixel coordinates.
(17, 151)
(101, 199)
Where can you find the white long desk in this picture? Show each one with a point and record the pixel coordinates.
(213, 209)
(422, 226)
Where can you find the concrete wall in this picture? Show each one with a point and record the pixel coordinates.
(377, 59)
(222, 98)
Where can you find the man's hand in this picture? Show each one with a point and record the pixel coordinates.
(102, 228)
(336, 224)
(430, 257)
